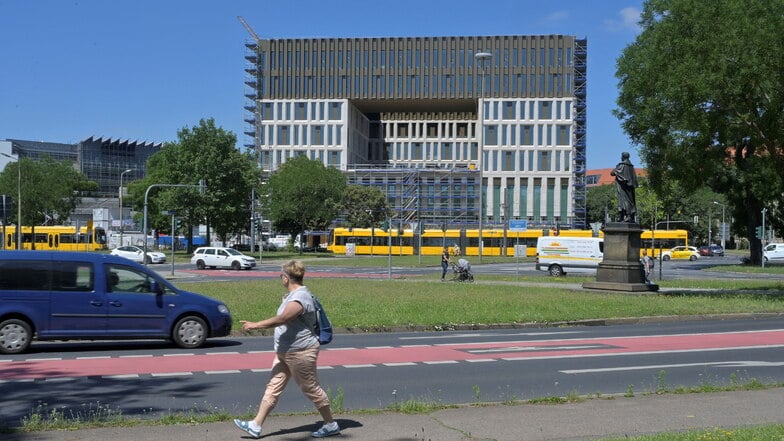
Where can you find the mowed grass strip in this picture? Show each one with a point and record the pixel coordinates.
(374, 305)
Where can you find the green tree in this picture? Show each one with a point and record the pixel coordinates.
(701, 93)
(601, 202)
(203, 152)
(304, 195)
(50, 189)
(364, 206)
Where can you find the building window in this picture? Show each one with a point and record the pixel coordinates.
(562, 136)
(508, 110)
(402, 130)
(527, 135)
(508, 161)
(335, 111)
(446, 151)
(416, 151)
(545, 109)
(491, 135)
(317, 135)
(301, 111)
(544, 161)
(267, 113)
(334, 158)
(283, 135)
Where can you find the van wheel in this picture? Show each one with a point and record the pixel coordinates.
(190, 332)
(556, 270)
(200, 264)
(15, 336)
(236, 266)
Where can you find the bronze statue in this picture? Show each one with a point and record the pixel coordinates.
(625, 183)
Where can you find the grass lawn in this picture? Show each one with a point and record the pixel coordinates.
(426, 303)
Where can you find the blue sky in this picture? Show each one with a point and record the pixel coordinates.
(143, 69)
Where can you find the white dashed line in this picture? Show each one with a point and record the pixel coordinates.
(172, 374)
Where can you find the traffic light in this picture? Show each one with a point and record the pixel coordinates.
(760, 233)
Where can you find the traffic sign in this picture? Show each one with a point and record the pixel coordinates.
(518, 225)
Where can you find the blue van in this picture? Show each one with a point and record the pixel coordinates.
(47, 295)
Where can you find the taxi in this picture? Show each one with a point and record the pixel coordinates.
(682, 252)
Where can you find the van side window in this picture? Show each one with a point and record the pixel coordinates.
(72, 276)
(25, 275)
(127, 280)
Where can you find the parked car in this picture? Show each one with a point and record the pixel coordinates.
(711, 250)
(61, 295)
(773, 252)
(716, 250)
(137, 254)
(221, 257)
(682, 252)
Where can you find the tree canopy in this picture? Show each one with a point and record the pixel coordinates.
(203, 152)
(364, 206)
(51, 189)
(304, 195)
(702, 94)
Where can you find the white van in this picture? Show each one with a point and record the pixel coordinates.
(773, 252)
(555, 254)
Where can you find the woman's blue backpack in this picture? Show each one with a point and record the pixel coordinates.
(322, 328)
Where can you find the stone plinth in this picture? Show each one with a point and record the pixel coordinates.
(620, 269)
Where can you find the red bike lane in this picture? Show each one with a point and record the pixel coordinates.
(274, 274)
(225, 362)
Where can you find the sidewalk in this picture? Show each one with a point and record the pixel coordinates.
(593, 419)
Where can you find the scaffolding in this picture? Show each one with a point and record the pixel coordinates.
(580, 125)
(425, 198)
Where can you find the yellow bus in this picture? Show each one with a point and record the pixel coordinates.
(56, 238)
(366, 241)
(657, 241)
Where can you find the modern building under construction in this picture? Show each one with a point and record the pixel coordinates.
(427, 119)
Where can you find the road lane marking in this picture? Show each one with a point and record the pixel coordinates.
(670, 366)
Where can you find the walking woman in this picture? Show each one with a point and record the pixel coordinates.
(296, 353)
(444, 262)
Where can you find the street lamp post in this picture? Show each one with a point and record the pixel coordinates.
(122, 214)
(481, 57)
(18, 200)
(202, 186)
(723, 238)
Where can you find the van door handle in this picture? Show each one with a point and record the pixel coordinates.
(96, 303)
(115, 303)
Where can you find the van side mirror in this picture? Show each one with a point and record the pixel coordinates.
(155, 287)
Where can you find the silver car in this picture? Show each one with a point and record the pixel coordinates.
(136, 254)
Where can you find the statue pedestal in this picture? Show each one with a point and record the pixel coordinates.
(620, 269)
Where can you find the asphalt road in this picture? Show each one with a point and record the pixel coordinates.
(377, 370)
(673, 269)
